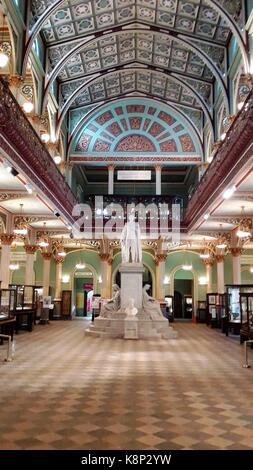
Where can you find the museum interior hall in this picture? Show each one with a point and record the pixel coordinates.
(126, 239)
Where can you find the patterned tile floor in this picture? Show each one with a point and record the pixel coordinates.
(68, 391)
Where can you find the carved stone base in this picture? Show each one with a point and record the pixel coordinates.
(115, 327)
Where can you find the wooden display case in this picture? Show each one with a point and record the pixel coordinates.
(201, 311)
(7, 312)
(233, 306)
(66, 304)
(246, 307)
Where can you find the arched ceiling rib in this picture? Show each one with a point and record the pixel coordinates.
(198, 18)
(162, 77)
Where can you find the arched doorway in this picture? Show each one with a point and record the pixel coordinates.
(83, 293)
(185, 294)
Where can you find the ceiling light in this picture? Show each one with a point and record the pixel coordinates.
(240, 105)
(223, 136)
(28, 188)
(14, 266)
(243, 233)
(43, 244)
(28, 107)
(69, 227)
(20, 231)
(204, 255)
(45, 137)
(243, 228)
(57, 159)
(251, 270)
(206, 216)
(80, 266)
(62, 253)
(210, 159)
(187, 267)
(21, 227)
(221, 246)
(229, 192)
(4, 59)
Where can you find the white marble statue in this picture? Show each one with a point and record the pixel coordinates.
(150, 305)
(131, 310)
(113, 305)
(131, 242)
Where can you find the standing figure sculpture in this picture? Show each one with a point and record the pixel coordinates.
(113, 305)
(150, 305)
(131, 241)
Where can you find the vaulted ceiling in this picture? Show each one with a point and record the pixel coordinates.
(102, 50)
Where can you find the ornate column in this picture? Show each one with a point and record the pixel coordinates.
(236, 260)
(220, 274)
(6, 241)
(58, 277)
(46, 272)
(69, 170)
(158, 180)
(209, 265)
(110, 179)
(30, 250)
(160, 274)
(106, 275)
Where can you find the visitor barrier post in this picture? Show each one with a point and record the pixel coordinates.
(246, 365)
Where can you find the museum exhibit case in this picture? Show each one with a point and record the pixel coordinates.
(201, 311)
(246, 308)
(66, 302)
(7, 311)
(27, 305)
(234, 311)
(188, 307)
(216, 310)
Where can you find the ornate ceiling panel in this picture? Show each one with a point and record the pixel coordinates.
(81, 17)
(127, 81)
(142, 127)
(148, 48)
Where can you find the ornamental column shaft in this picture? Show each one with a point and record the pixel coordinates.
(220, 274)
(30, 250)
(209, 276)
(236, 263)
(6, 241)
(110, 179)
(158, 180)
(46, 272)
(106, 274)
(160, 275)
(58, 277)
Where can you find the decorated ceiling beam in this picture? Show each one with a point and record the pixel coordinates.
(154, 30)
(213, 4)
(175, 79)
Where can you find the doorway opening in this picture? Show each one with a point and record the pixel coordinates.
(183, 295)
(83, 294)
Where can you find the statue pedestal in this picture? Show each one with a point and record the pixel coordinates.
(131, 328)
(131, 284)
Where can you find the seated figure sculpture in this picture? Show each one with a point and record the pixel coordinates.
(150, 305)
(113, 305)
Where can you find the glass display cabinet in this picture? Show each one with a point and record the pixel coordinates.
(246, 308)
(7, 304)
(7, 312)
(216, 310)
(26, 305)
(188, 307)
(66, 304)
(233, 306)
(201, 311)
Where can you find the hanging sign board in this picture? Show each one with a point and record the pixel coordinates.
(140, 175)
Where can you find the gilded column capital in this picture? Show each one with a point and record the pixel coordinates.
(236, 251)
(30, 249)
(219, 258)
(208, 262)
(7, 238)
(59, 259)
(160, 258)
(15, 80)
(46, 255)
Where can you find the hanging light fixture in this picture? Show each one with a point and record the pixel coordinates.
(221, 242)
(28, 107)
(4, 49)
(57, 159)
(14, 266)
(80, 265)
(43, 241)
(21, 227)
(243, 229)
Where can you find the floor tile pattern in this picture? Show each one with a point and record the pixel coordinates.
(68, 391)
